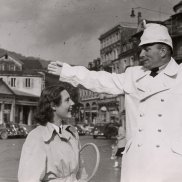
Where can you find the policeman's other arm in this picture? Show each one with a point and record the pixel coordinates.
(32, 162)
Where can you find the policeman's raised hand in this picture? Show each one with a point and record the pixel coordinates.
(55, 67)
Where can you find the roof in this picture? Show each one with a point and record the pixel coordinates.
(20, 93)
(5, 53)
(26, 73)
(177, 14)
(6, 90)
(27, 62)
(114, 29)
(175, 7)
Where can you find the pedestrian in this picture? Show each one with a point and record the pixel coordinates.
(121, 142)
(114, 148)
(153, 102)
(51, 150)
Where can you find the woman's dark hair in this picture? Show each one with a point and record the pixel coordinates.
(50, 96)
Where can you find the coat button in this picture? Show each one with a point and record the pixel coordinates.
(159, 115)
(159, 130)
(162, 100)
(141, 114)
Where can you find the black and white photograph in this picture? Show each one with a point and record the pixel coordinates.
(90, 91)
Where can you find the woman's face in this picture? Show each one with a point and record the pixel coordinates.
(65, 107)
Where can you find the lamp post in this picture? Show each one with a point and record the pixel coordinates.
(139, 15)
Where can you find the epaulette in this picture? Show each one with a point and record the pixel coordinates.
(72, 130)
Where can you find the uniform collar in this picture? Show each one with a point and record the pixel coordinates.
(170, 70)
(141, 73)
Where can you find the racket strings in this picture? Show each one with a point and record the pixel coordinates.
(90, 157)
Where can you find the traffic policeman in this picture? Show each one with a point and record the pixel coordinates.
(153, 102)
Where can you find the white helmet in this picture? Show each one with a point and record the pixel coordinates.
(154, 33)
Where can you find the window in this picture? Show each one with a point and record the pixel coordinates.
(131, 61)
(28, 82)
(2, 67)
(11, 67)
(13, 82)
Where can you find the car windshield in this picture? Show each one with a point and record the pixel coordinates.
(100, 126)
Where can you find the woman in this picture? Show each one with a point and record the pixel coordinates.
(51, 151)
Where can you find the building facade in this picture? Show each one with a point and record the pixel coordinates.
(103, 107)
(115, 42)
(20, 88)
(174, 24)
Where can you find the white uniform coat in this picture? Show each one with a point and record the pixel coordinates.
(153, 152)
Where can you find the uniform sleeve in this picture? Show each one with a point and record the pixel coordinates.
(32, 161)
(97, 81)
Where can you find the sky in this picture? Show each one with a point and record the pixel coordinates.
(68, 30)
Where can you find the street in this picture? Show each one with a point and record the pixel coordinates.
(10, 150)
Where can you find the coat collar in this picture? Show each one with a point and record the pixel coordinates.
(170, 70)
(141, 73)
(48, 131)
(163, 83)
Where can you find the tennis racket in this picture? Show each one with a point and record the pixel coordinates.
(90, 155)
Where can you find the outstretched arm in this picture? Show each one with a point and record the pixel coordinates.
(97, 81)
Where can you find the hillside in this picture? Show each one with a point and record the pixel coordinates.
(31, 59)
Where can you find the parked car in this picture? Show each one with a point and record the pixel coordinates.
(12, 130)
(111, 130)
(80, 130)
(98, 130)
(88, 128)
(107, 130)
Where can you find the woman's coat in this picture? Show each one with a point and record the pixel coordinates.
(153, 152)
(49, 156)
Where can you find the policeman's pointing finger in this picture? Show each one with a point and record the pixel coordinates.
(50, 66)
(53, 63)
(52, 72)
